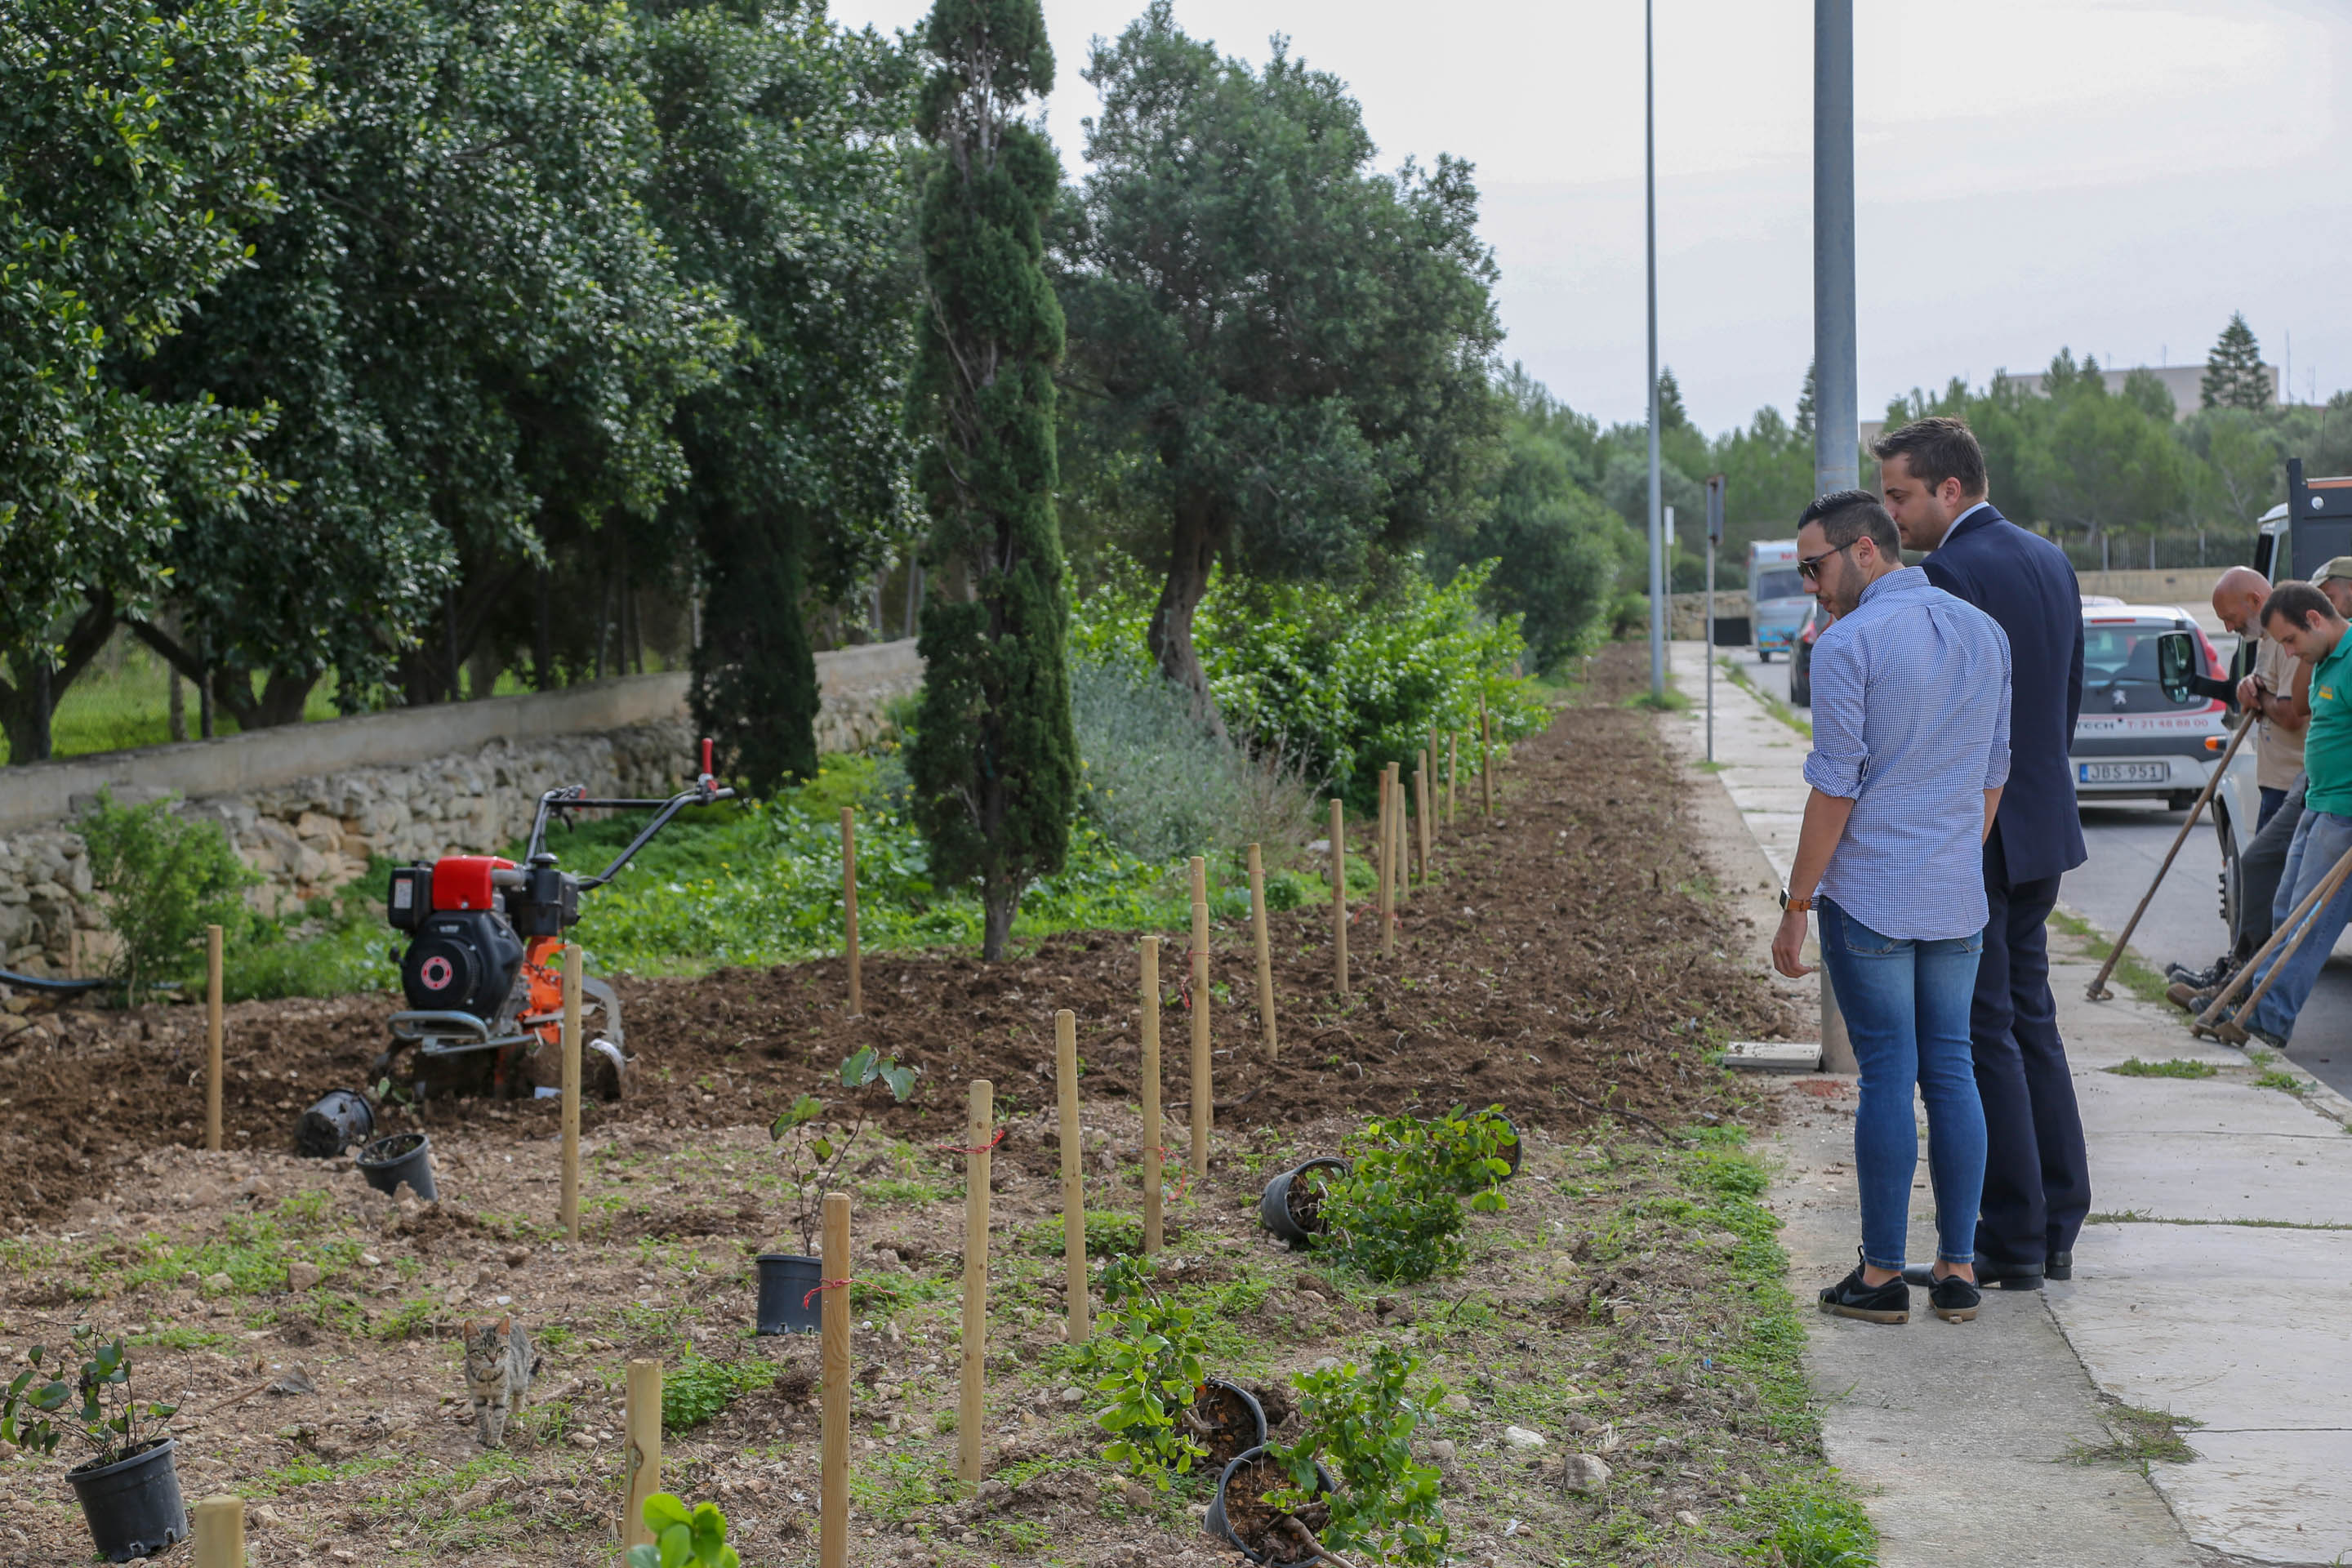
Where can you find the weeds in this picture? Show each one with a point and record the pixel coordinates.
(2138, 1436)
(2177, 1066)
(700, 1388)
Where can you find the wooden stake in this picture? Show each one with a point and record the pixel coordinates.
(1073, 1176)
(1264, 954)
(1390, 854)
(1339, 893)
(641, 1476)
(1380, 859)
(213, 1037)
(570, 1211)
(1485, 750)
(1421, 790)
(1203, 1105)
(849, 907)
(1152, 1228)
(833, 1361)
(979, 1129)
(219, 1524)
(1452, 762)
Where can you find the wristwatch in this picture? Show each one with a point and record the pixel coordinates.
(1800, 905)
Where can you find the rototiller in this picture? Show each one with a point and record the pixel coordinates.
(483, 975)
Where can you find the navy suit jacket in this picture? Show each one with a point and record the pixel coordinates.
(2026, 584)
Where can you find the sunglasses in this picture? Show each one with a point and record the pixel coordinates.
(1810, 568)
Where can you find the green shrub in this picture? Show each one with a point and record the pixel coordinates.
(40, 1406)
(1109, 1234)
(1147, 1351)
(1159, 785)
(163, 878)
(1360, 1423)
(698, 1388)
(336, 944)
(1336, 681)
(1397, 1210)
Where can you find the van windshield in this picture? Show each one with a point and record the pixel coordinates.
(1779, 583)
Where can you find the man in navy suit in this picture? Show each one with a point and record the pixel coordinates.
(2037, 1188)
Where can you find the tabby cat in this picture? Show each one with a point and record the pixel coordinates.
(498, 1369)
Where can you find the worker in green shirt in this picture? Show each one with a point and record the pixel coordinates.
(2307, 625)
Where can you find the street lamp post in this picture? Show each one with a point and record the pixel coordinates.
(1650, 187)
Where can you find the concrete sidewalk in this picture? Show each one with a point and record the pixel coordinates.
(2214, 1283)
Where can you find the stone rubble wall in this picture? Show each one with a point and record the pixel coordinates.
(311, 836)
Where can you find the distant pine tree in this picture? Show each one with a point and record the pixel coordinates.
(1805, 425)
(2234, 376)
(994, 763)
(1671, 414)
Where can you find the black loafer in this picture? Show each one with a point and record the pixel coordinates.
(2007, 1276)
(1850, 1298)
(2061, 1266)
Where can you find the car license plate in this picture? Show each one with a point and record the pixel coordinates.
(2124, 773)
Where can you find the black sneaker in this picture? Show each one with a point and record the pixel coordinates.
(1850, 1298)
(1954, 1298)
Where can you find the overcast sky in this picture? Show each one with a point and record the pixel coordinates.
(2114, 175)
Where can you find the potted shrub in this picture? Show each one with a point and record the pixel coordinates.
(128, 1486)
(1291, 1206)
(1398, 1212)
(815, 1153)
(1349, 1485)
(1166, 1412)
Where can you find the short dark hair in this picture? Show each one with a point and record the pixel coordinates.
(1848, 515)
(1935, 449)
(2296, 603)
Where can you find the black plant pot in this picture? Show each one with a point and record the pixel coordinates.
(133, 1505)
(1252, 1418)
(403, 1157)
(1221, 1528)
(340, 1119)
(787, 1303)
(1274, 1203)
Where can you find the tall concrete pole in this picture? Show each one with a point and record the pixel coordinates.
(1650, 188)
(1837, 417)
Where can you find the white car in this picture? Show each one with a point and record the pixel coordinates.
(2142, 736)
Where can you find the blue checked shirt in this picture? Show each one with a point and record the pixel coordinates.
(1911, 724)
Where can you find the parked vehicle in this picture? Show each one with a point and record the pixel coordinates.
(1776, 595)
(2136, 740)
(1800, 658)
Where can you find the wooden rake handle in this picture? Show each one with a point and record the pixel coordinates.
(2097, 990)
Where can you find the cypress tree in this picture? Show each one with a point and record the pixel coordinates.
(2234, 376)
(993, 763)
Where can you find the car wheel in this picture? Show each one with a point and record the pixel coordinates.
(1800, 686)
(2232, 878)
(1763, 655)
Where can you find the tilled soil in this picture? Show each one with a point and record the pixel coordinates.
(1566, 963)
(1570, 964)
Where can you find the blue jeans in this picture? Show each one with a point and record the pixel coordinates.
(2320, 840)
(2271, 799)
(1907, 1011)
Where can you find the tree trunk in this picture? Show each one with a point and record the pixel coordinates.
(1000, 901)
(1193, 549)
(27, 707)
(178, 706)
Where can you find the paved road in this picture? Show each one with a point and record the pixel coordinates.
(2128, 842)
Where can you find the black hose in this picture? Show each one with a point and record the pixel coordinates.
(52, 987)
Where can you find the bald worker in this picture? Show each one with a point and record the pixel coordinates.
(2268, 694)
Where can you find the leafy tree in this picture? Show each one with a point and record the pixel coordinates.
(2145, 391)
(477, 335)
(1560, 548)
(2243, 471)
(782, 184)
(1298, 345)
(2234, 376)
(135, 140)
(164, 879)
(993, 764)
